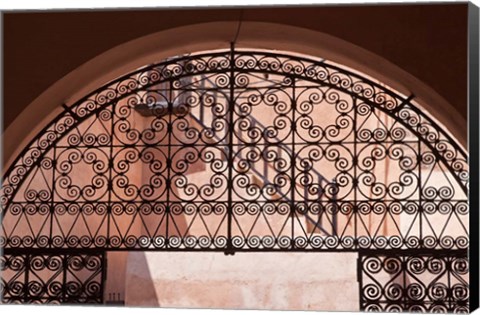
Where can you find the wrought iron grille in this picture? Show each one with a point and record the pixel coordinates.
(239, 150)
(51, 278)
(434, 282)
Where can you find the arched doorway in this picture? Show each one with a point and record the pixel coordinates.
(241, 150)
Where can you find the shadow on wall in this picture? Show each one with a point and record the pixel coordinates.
(140, 288)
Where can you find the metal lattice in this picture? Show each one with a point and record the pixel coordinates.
(239, 150)
(46, 278)
(253, 122)
(415, 282)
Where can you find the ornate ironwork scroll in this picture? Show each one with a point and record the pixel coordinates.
(239, 150)
(47, 278)
(291, 149)
(435, 282)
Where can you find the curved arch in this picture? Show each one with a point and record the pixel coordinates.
(182, 138)
(208, 36)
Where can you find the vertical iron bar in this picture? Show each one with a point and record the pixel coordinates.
(292, 164)
(449, 303)
(240, 139)
(169, 160)
(403, 266)
(202, 88)
(420, 205)
(264, 157)
(305, 189)
(64, 277)
(320, 195)
(335, 210)
(110, 176)
(52, 204)
(27, 267)
(231, 107)
(355, 175)
(103, 275)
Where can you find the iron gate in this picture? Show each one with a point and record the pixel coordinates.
(52, 278)
(418, 281)
(239, 150)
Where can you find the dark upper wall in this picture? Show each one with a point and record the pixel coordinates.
(428, 41)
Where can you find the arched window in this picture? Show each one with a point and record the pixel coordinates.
(242, 150)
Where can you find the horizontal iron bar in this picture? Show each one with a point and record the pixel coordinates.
(200, 144)
(269, 202)
(87, 251)
(414, 252)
